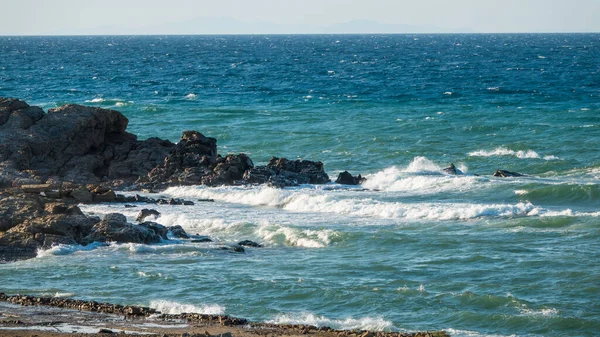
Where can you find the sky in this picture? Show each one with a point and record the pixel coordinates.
(93, 17)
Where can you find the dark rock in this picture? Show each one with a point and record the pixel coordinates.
(109, 196)
(72, 143)
(506, 174)
(228, 170)
(249, 243)
(258, 175)
(306, 171)
(188, 162)
(234, 248)
(144, 213)
(345, 178)
(206, 200)
(114, 227)
(178, 232)
(201, 240)
(105, 331)
(156, 228)
(82, 195)
(452, 170)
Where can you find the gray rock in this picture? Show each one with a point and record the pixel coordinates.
(144, 213)
(178, 232)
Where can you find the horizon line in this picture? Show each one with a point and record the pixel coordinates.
(307, 34)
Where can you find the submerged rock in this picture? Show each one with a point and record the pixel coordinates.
(249, 243)
(345, 178)
(506, 174)
(452, 170)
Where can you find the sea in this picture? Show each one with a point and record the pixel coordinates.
(411, 249)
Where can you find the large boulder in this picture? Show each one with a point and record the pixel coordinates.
(300, 171)
(30, 223)
(115, 228)
(345, 178)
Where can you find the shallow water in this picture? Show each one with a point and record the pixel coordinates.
(411, 249)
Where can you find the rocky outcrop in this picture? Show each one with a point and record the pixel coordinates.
(30, 223)
(281, 172)
(71, 143)
(84, 145)
(345, 178)
(506, 174)
(115, 228)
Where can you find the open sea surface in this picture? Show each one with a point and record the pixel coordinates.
(412, 248)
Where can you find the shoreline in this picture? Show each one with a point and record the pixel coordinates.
(23, 315)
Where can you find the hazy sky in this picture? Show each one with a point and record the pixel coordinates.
(43, 17)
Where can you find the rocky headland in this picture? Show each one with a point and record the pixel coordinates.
(51, 162)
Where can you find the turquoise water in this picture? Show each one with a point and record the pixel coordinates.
(411, 249)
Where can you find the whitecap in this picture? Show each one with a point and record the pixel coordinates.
(62, 249)
(173, 308)
(306, 200)
(503, 151)
(191, 96)
(96, 100)
(366, 323)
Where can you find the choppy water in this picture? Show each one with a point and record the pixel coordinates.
(412, 249)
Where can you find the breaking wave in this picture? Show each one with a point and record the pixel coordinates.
(366, 323)
(503, 151)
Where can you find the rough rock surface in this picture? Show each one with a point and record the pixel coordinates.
(281, 172)
(29, 223)
(114, 227)
(78, 154)
(345, 178)
(71, 143)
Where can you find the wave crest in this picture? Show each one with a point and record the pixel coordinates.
(503, 151)
(366, 323)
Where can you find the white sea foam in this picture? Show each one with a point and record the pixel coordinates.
(468, 333)
(66, 249)
(191, 96)
(96, 100)
(366, 323)
(173, 308)
(503, 151)
(265, 232)
(310, 201)
(546, 312)
(395, 180)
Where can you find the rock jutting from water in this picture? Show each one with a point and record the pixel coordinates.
(87, 145)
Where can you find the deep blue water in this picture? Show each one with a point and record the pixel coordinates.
(413, 249)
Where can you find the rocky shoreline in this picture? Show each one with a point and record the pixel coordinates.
(51, 162)
(196, 322)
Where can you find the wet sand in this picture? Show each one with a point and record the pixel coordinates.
(31, 320)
